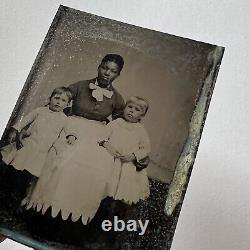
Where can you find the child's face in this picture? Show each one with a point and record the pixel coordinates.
(133, 112)
(107, 73)
(58, 102)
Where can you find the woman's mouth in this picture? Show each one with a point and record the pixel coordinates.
(105, 79)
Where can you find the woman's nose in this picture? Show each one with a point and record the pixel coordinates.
(107, 73)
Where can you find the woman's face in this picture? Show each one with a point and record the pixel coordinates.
(107, 73)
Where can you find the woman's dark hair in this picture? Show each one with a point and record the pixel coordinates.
(114, 58)
(62, 90)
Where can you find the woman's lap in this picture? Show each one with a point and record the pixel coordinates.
(74, 177)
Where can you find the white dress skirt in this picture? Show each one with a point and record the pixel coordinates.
(74, 178)
(126, 183)
(45, 127)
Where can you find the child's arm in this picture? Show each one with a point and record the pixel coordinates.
(26, 120)
(104, 140)
(19, 138)
(144, 147)
(141, 160)
(14, 135)
(139, 157)
(17, 130)
(127, 158)
(110, 148)
(69, 133)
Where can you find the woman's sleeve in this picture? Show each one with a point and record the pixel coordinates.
(119, 107)
(144, 146)
(73, 89)
(26, 120)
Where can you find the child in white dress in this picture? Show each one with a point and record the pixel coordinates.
(99, 164)
(129, 143)
(45, 125)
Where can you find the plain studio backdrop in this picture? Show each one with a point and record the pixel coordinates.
(216, 210)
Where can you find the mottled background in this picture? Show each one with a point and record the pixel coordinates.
(165, 69)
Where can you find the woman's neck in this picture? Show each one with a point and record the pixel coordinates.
(104, 86)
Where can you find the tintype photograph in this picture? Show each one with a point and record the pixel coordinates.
(102, 140)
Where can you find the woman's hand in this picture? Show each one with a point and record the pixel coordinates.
(19, 141)
(71, 139)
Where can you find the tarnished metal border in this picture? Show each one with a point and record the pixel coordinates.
(27, 241)
(185, 162)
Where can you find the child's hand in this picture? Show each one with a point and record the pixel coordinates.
(71, 139)
(141, 164)
(19, 138)
(127, 158)
(19, 141)
(12, 135)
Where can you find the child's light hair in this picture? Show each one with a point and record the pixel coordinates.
(62, 90)
(142, 102)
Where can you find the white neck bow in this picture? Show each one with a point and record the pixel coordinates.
(99, 92)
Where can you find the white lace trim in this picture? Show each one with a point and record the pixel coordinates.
(65, 213)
